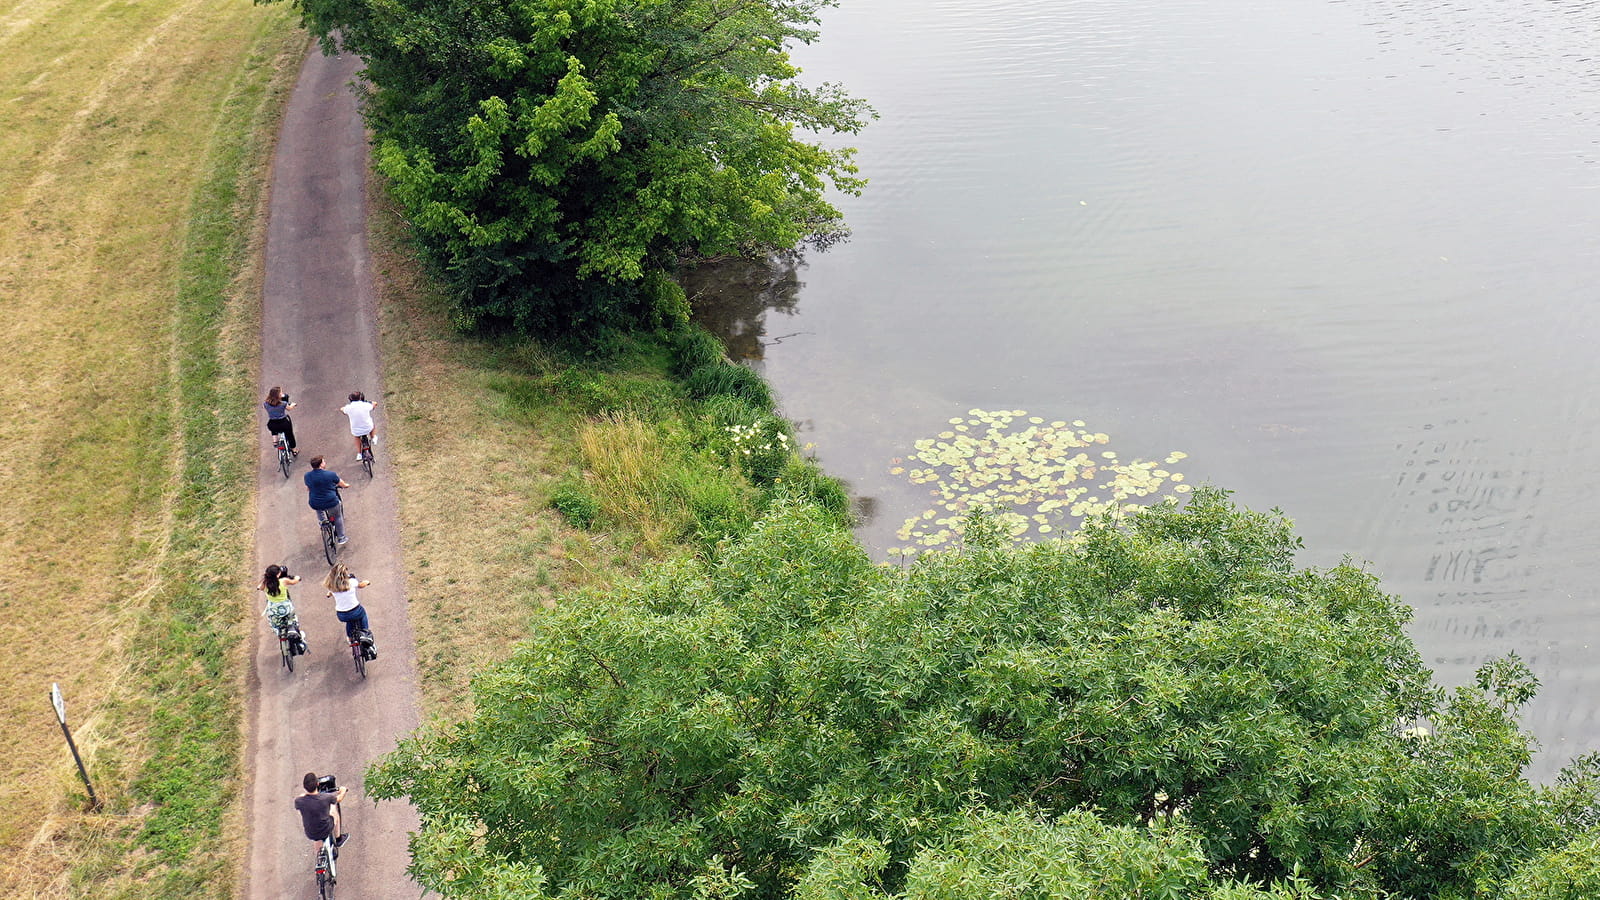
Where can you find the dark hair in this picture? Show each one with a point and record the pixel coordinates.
(270, 580)
(316, 462)
(357, 395)
(275, 396)
(309, 782)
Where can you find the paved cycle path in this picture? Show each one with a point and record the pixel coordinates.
(319, 341)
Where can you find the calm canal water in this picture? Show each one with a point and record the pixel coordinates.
(1341, 254)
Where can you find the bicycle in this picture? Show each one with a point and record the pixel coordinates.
(327, 871)
(330, 537)
(360, 647)
(285, 455)
(367, 459)
(327, 868)
(288, 636)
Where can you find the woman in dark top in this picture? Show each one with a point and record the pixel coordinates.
(278, 421)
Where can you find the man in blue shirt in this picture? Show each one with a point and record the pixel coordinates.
(322, 488)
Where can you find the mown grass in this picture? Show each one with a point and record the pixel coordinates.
(135, 146)
(527, 475)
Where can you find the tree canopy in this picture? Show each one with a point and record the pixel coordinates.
(556, 156)
(1166, 707)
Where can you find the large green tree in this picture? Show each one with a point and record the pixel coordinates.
(789, 719)
(555, 157)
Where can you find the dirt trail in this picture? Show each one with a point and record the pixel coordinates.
(320, 341)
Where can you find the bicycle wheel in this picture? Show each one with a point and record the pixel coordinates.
(285, 460)
(325, 876)
(288, 653)
(361, 661)
(366, 456)
(330, 543)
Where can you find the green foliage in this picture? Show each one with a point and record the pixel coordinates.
(1569, 872)
(1576, 793)
(732, 380)
(694, 348)
(572, 500)
(804, 480)
(788, 713)
(666, 301)
(761, 449)
(721, 507)
(991, 855)
(555, 158)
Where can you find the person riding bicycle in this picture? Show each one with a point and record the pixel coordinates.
(319, 812)
(359, 409)
(322, 493)
(280, 608)
(342, 587)
(277, 406)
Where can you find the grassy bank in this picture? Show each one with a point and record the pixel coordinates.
(136, 144)
(528, 475)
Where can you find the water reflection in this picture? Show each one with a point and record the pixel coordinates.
(731, 298)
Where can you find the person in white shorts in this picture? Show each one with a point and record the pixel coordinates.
(359, 409)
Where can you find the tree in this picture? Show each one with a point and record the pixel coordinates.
(988, 855)
(729, 726)
(556, 156)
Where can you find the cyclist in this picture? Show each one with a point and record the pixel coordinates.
(277, 406)
(280, 608)
(322, 493)
(319, 812)
(342, 587)
(359, 409)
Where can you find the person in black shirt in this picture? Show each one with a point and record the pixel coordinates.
(319, 811)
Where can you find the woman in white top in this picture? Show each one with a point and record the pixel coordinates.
(342, 587)
(359, 409)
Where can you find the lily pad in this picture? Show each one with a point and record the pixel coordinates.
(1026, 472)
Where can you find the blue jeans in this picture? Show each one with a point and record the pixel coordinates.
(335, 515)
(354, 620)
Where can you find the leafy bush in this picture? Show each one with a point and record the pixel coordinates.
(721, 506)
(574, 501)
(727, 720)
(668, 304)
(803, 479)
(761, 449)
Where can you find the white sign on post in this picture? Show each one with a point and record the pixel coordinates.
(58, 702)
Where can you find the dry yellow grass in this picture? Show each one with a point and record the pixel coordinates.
(114, 114)
(622, 461)
(483, 551)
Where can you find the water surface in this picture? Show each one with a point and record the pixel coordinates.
(1342, 254)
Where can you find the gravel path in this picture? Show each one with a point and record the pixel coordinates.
(319, 341)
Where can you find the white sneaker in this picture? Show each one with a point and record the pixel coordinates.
(359, 457)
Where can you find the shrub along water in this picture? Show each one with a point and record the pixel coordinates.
(530, 470)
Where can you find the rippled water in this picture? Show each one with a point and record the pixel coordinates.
(1343, 254)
